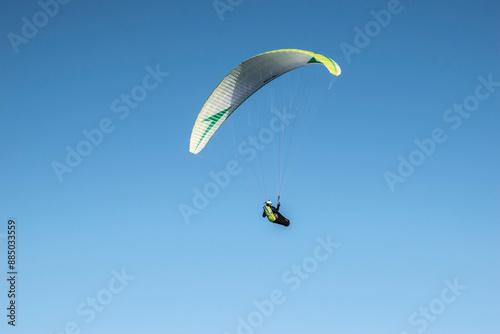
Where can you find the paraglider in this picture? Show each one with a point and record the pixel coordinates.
(243, 81)
(273, 215)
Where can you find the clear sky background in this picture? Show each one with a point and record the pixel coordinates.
(412, 257)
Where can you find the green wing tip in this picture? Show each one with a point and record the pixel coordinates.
(213, 119)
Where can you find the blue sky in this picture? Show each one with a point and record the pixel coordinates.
(377, 243)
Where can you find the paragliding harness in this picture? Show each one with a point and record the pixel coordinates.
(274, 216)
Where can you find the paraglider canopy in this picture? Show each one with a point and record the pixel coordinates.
(242, 82)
